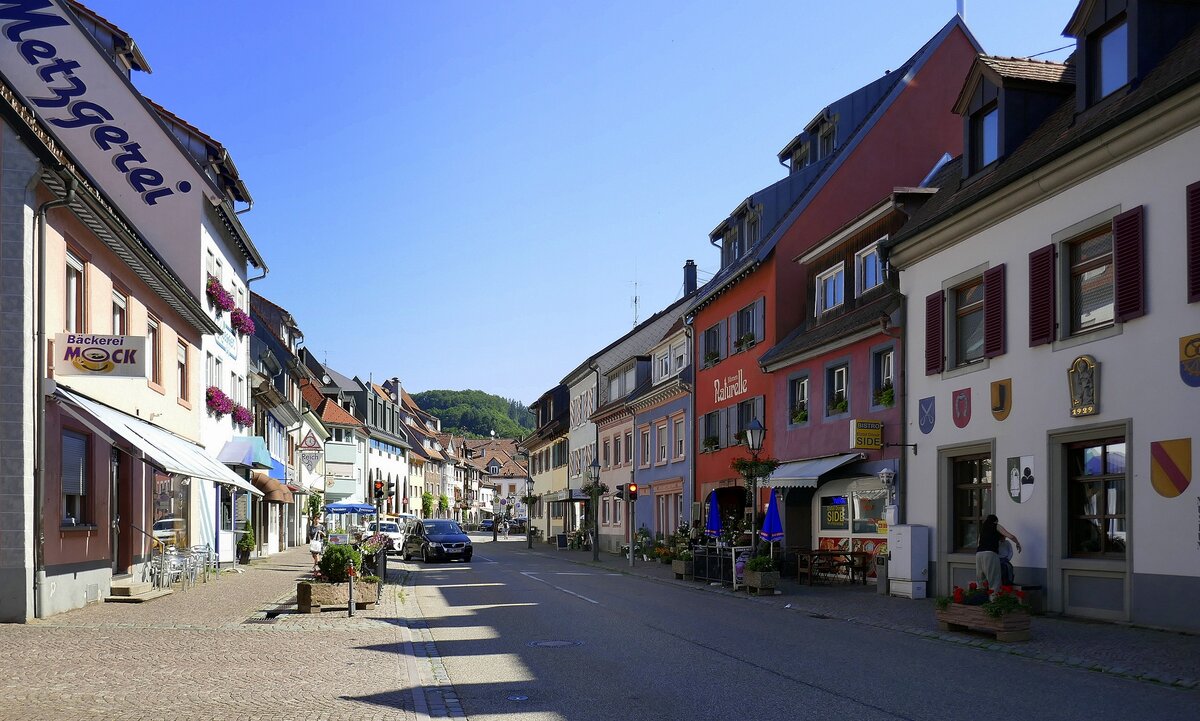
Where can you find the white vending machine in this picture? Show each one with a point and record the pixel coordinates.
(908, 563)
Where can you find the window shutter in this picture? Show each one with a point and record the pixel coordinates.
(1129, 265)
(935, 334)
(993, 312)
(74, 465)
(723, 427)
(1193, 242)
(760, 320)
(731, 335)
(722, 339)
(760, 409)
(1041, 296)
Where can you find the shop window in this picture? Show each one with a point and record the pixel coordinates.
(1096, 481)
(971, 478)
(76, 479)
(868, 506)
(834, 513)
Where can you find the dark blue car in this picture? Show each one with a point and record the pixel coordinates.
(437, 539)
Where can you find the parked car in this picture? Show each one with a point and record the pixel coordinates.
(516, 525)
(486, 525)
(437, 539)
(392, 530)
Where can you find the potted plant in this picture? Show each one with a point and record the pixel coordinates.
(886, 395)
(245, 544)
(1003, 613)
(711, 358)
(683, 565)
(800, 413)
(745, 341)
(338, 567)
(739, 438)
(217, 402)
(711, 443)
(760, 575)
(838, 403)
(218, 296)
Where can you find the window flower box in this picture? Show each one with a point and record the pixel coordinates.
(241, 322)
(312, 596)
(217, 402)
(220, 298)
(1005, 615)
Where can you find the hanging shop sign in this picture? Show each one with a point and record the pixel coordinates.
(113, 356)
(1083, 378)
(310, 443)
(866, 435)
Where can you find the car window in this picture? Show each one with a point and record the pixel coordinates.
(443, 527)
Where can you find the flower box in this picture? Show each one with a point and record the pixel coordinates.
(1012, 626)
(758, 581)
(684, 570)
(311, 596)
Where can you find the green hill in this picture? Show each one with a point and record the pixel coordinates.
(475, 414)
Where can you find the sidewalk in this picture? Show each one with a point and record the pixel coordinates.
(1133, 652)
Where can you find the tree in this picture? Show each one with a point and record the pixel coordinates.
(426, 504)
(475, 414)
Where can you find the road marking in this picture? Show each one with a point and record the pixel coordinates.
(529, 574)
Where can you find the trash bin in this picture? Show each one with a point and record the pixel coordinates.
(881, 574)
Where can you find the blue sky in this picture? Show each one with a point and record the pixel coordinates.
(463, 194)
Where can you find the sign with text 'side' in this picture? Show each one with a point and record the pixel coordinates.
(90, 107)
(87, 354)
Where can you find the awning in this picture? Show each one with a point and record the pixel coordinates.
(562, 496)
(171, 453)
(806, 473)
(246, 452)
(278, 471)
(273, 490)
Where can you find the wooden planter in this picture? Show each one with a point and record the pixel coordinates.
(758, 581)
(312, 596)
(684, 570)
(1013, 626)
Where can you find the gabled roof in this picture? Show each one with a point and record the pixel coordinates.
(1001, 69)
(330, 412)
(130, 53)
(218, 158)
(785, 200)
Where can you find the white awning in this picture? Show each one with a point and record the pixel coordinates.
(171, 453)
(806, 473)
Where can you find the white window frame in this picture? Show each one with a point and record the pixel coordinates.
(860, 259)
(181, 370)
(680, 445)
(120, 313)
(663, 445)
(76, 294)
(662, 365)
(835, 272)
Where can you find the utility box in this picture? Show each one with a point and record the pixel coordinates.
(908, 567)
(881, 574)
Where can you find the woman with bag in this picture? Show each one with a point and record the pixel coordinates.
(316, 543)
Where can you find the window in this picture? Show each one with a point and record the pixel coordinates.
(604, 508)
(663, 364)
(218, 378)
(798, 400)
(882, 364)
(152, 347)
(120, 318)
(617, 450)
(644, 458)
(830, 288)
(1096, 498)
(799, 157)
(181, 369)
(836, 384)
(834, 513)
(678, 356)
(746, 412)
(748, 326)
(629, 447)
(968, 322)
(679, 438)
(75, 479)
(661, 432)
(712, 345)
(985, 137)
(1091, 284)
(827, 141)
(234, 390)
(76, 296)
(870, 269)
(1109, 61)
(971, 477)
(712, 431)
(210, 263)
(606, 456)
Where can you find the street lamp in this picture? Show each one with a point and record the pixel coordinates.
(495, 515)
(888, 477)
(755, 433)
(593, 473)
(528, 514)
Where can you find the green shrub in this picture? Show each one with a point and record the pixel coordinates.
(760, 563)
(334, 561)
(245, 541)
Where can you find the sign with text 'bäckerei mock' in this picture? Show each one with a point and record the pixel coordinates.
(91, 108)
(86, 354)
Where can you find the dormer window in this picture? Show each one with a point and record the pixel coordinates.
(1110, 60)
(985, 137)
(826, 140)
(799, 157)
(831, 288)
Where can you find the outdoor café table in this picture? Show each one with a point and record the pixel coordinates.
(809, 559)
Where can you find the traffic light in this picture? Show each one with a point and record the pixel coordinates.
(391, 489)
(620, 494)
(631, 492)
(379, 490)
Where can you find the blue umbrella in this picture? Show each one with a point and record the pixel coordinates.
(713, 527)
(772, 529)
(365, 509)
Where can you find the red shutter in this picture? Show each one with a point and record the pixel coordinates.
(1193, 242)
(1041, 296)
(935, 332)
(993, 312)
(1129, 265)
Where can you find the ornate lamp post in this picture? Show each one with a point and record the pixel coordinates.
(755, 434)
(528, 514)
(593, 473)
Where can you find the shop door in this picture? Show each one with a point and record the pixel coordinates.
(114, 509)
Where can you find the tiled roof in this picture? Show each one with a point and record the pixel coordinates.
(1026, 69)
(311, 394)
(1062, 131)
(330, 412)
(811, 337)
(503, 450)
(131, 49)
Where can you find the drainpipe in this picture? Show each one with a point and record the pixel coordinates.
(39, 384)
(596, 503)
(687, 330)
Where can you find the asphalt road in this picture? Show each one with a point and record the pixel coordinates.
(525, 635)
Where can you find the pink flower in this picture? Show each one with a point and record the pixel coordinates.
(242, 415)
(241, 321)
(218, 403)
(220, 297)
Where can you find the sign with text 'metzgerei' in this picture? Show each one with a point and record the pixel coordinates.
(86, 354)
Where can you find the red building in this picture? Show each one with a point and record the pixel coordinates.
(891, 132)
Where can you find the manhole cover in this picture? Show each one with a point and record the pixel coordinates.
(554, 644)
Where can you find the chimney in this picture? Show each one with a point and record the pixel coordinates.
(689, 277)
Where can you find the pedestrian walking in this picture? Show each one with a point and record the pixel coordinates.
(316, 543)
(504, 529)
(987, 554)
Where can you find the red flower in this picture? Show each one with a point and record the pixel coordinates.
(1006, 589)
(958, 595)
(1021, 595)
(972, 586)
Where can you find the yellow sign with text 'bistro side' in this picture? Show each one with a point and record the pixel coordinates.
(866, 435)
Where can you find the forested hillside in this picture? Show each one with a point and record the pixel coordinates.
(475, 414)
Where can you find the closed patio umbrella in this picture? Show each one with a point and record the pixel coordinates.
(713, 526)
(772, 529)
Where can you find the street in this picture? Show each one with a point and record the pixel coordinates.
(520, 634)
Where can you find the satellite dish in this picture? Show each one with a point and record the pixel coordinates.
(326, 379)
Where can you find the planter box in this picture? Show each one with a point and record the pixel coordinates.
(312, 596)
(1009, 627)
(758, 581)
(683, 569)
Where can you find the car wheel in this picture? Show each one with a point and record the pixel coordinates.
(467, 558)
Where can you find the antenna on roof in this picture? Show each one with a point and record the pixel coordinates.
(635, 304)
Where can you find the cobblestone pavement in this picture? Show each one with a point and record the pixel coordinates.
(215, 652)
(1129, 651)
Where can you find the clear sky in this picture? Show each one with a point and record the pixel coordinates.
(463, 194)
